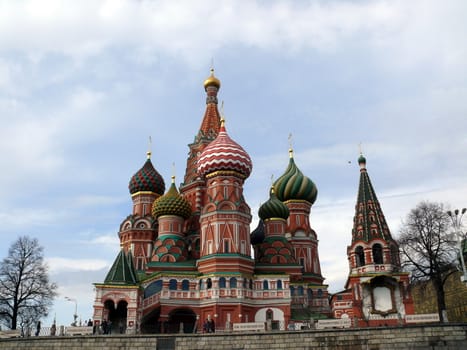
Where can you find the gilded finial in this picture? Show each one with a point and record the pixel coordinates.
(360, 148)
(148, 153)
(212, 80)
(173, 173)
(222, 114)
(272, 183)
(290, 145)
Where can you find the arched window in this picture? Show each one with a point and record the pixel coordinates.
(201, 285)
(320, 293)
(377, 250)
(300, 290)
(360, 256)
(222, 282)
(245, 283)
(292, 291)
(173, 284)
(279, 284)
(209, 283)
(233, 282)
(265, 285)
(185, 285)
(310, 294)
(251, 284)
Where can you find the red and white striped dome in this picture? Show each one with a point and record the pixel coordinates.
(224, 154)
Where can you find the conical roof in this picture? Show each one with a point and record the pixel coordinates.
(369, 220)
(122, 271)
(293, 185)
(171, 203)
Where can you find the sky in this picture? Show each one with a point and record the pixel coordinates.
(84, 84)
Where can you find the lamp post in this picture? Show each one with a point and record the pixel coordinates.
(456, 218)
(75, 316)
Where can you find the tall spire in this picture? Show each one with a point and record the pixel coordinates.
(209, 129)
(369, 220)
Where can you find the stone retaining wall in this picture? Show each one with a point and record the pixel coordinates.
(436, 337)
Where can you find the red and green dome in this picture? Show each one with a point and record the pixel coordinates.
(147, 179)
(171, 203)
(293, 185)
(224, 154)
(273, 208)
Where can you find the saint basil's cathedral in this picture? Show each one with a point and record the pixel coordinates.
(187, 254)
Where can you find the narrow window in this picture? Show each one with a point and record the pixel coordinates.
(360, 256)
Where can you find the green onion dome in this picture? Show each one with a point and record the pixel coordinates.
(273, 208)
(147, 179)
(171, 203)
(294, 185)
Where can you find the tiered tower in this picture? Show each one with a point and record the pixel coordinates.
(225, 218)
(193, 187)
(377, 291)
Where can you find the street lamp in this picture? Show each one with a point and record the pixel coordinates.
(456, 218)
(75, 316)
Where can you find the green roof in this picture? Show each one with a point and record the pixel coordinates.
(122, 271)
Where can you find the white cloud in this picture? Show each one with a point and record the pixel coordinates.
(59, 264)
(195, 30)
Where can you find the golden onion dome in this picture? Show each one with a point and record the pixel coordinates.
(212, 81)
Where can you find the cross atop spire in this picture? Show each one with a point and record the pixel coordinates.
(149, 152)
(290, 145)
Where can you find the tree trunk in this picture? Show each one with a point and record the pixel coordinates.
(439, 287)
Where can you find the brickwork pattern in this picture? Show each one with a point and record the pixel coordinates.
(436, 337)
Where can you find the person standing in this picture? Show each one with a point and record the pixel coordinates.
(38, 328)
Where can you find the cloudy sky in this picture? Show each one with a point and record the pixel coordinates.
(83, 84)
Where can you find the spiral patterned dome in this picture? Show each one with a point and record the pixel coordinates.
(294, 185)
(224, 154)
(273, 208)
(147, 179)
(171, 203)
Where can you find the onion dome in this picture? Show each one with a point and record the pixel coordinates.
(147, 179)
(171, 203)
(294, 185)
(212, 81)
(273, 208)
(224, 154)
(257, 236)
(362, 161)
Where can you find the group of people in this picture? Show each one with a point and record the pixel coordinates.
(209, 326)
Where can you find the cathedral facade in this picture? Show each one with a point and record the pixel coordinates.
(188, 257)
(187, 254)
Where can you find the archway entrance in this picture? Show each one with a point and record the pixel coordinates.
(150, 323)
(181, 320)
(116, 316)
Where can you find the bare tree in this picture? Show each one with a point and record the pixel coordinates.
(26, 294)
(428, 249)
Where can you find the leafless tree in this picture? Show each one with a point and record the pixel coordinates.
(428, 248)
(26, 294)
